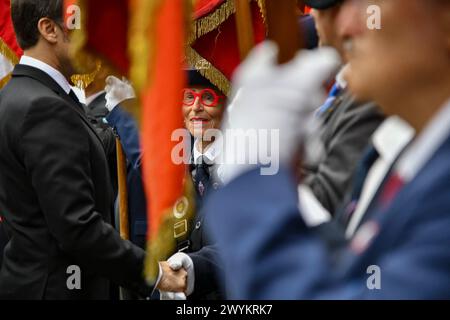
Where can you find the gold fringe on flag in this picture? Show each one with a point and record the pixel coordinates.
(8, 53)
(81, 58)
(141, 50)
(208, 70)
(205, 25)
(212, 21)
(5, 80)
(82, 81)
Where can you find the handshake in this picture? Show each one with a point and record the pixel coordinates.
(176, 277)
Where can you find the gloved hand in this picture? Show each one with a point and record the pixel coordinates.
(171, 295)
(176, 262)
(269, 97)
(181, 260)
(117, 91)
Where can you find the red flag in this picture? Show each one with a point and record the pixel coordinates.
(161, 117)
(214, 45)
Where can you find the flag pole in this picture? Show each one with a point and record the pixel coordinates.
(123, 191)
(244, 27)
(283, 28)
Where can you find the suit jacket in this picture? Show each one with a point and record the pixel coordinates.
(271, 254)
(56, 197)
(345, 134)
(96, 112)
(207, 263)
(3, 241)
(202, 250)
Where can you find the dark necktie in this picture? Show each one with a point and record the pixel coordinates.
(201, 176)
(363, 168)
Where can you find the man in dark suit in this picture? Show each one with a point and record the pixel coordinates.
(401, 249)
(55, 187)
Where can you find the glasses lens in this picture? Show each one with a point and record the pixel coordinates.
(188, 97)
(209, 98)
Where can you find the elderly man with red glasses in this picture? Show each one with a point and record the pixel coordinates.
(194, 270)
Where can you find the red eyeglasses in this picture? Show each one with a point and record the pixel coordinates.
(208, 97)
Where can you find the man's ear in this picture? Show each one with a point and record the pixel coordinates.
(47, 29)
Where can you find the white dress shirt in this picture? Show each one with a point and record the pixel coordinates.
(425, 146)
(390, 139)
(212, 154)
(52, 72)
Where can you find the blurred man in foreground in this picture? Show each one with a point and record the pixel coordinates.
(404, 243)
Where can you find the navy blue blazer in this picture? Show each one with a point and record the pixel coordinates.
(128, 132)
(270, 253)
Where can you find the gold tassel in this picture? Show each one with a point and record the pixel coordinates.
(6, 51)
(5, 80)
(82, 81)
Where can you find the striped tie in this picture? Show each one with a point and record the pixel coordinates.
(327, 106)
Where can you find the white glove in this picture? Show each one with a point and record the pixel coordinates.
(281, 97)
(171, 295)
(117, 91)
(181, 260)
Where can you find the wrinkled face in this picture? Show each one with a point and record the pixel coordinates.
(203, 109)
(408, 54)
(325, 22)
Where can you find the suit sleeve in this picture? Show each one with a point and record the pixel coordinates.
(56, 153)
(269, 252)
(347, 142)
(208, 271)
(128, 133)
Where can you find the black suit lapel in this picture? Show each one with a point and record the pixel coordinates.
(39, 75)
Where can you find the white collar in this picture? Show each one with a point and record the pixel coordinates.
(211, 153)
(91, 98)
(340, 77)
(391, 137)
(426, 144)
(52, 72)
